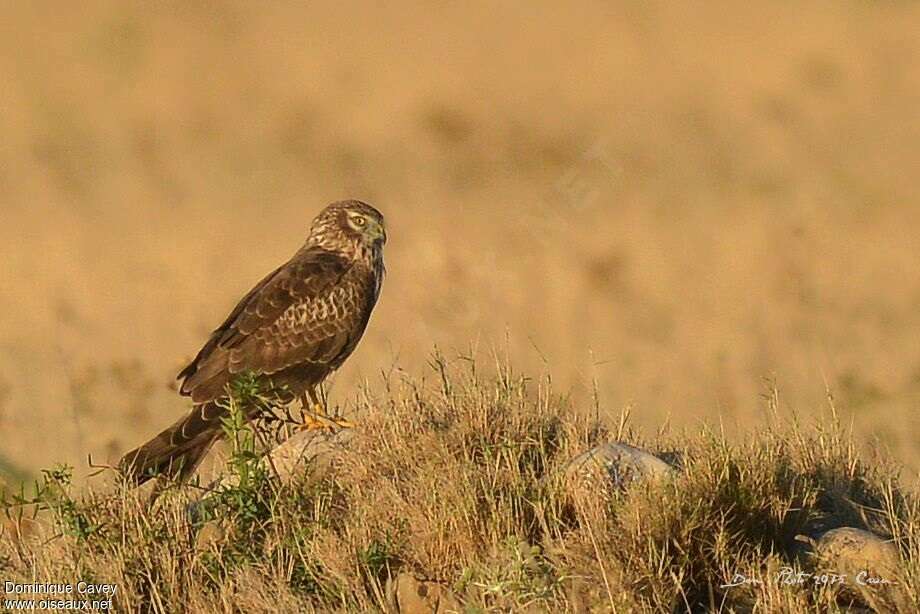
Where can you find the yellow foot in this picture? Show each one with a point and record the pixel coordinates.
(314, 423)
(318, 420)
(343, 423)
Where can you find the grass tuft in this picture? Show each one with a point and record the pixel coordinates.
(460, 479)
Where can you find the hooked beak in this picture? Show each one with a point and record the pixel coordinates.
(378, 233)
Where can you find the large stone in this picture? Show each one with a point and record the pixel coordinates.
(317, 448)
(615, 465)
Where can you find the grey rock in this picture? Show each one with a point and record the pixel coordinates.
(317, 448)
(616, 465)
(851, 550)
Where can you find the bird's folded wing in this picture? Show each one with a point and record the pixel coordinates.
(304, 311)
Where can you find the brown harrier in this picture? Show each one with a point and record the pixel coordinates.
(297, 326)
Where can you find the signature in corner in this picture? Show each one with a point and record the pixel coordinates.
(739, 579)
(789, 576)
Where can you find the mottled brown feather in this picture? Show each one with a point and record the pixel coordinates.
(295, 327)
(263, 336)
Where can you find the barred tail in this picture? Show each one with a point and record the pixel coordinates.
(178, 450)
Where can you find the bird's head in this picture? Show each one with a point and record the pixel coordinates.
(350, 226)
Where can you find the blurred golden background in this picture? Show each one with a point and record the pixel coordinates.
(677, 200)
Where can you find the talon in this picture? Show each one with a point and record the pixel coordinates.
(312, 423)
(343, 423)
(319, 420)
(319, 410)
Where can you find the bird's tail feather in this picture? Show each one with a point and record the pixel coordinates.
(178, 450)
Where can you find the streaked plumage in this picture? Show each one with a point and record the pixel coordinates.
(294, 328)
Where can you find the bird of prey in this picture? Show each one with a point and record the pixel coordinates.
(294, 328)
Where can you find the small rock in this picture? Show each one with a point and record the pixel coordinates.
(209, 535)
(616, 465)
(850, 550)
(409, 595)
(18, 529)
(868, 563)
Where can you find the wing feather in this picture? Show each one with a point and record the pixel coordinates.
(296, 314)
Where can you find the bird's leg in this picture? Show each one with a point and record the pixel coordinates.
(316, 418)
(313, 414)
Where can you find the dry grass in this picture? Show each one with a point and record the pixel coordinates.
(460, 480)
(674, 200)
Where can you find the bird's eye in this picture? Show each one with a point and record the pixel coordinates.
(360, 221)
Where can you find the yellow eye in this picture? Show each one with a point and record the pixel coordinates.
(359, 221)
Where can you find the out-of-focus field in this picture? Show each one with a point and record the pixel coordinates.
(677, 201)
